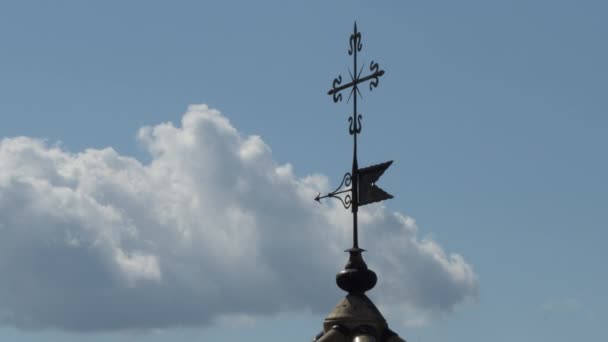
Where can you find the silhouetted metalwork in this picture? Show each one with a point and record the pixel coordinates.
(356, 318)
(363, 190)
(369, 192)
(346, 201)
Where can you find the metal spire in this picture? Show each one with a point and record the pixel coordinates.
(356, 318)
(363, 190)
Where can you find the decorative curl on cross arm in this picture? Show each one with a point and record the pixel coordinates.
(336, 94)
(355, 42)
(375, 79)
(355, 125)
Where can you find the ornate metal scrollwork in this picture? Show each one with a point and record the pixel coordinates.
(375, 79)
(347, 180)
(355, 42)
(350, 197)
(354, 126)
(347, 200)
(358, 186)
(356, 79)
(336, 94)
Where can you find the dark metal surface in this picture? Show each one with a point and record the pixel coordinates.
(363, 189)
(369, 192)
(356, 278)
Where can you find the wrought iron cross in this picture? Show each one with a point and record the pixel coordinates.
(359, 184)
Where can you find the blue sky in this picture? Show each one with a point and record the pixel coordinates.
(494, 112)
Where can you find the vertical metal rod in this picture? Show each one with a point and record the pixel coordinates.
(355, 187)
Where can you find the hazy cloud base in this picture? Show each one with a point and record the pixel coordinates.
(211, 227)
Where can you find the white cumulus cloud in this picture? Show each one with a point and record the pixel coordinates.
(211, 227)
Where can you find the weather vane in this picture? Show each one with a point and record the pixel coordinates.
(358, 186)
(356, 318)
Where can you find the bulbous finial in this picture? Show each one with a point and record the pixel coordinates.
(356, 278)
